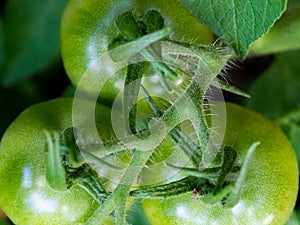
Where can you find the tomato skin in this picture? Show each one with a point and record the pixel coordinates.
(271, 185)
(25, 195)
(88, 28)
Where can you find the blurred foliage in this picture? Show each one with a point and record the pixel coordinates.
(283, 36)
(1, 42)
(30, 66)
(46, 85)
(277, 91)
(276, 94)
(30, 36)
(294, 219)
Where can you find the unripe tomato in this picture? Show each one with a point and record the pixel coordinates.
(270, 189)
(25, 195)
(88, 28)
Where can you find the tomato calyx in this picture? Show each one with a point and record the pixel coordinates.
(221, 185)
(132, 28)
(66, 166)
(87, 178)
(72, 158)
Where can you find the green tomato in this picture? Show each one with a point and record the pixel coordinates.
(88, 27)
(270, 189)
(25, 195)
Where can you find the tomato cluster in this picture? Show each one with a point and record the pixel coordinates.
(62, 160)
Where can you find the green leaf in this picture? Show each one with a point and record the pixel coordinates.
(31, 37)
(276, 92)
(283, 36)
(239, 22)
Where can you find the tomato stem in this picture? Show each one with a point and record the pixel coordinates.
(183, 141)
(132, 86)
(117, 200)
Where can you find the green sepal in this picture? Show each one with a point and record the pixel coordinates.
(128, 26)
(166, 190)
(218, 197)
(55, 172)
(235, 194)
(211, 174)
(87, 178)
(187, 145)
(99, 162)
(153, 21)
(116, 42)
(129, 49)
(229, 159)
(68, 147)
(232, 89)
